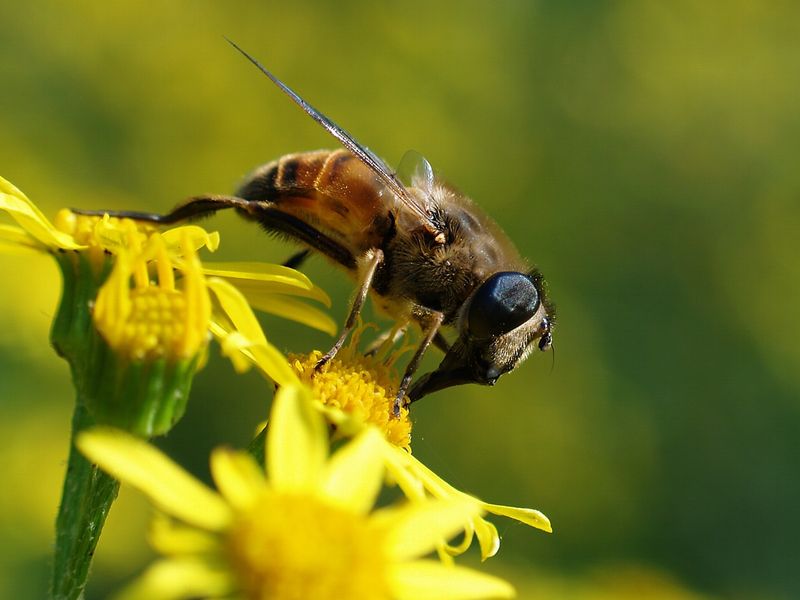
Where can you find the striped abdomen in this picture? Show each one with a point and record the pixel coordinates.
(328, 199)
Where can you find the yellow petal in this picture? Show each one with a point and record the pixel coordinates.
(235, 346)
(445, 556)
(274, 364)
(244, 353)
(397, 459)
(179, 578)
(396, 465)
(416, 529)
(353, 476)
(251, 339)
(488, 538)
(197, 238)
(141, 465)
(16, 239)
(432, 482)
(297, 442)
(32, 220)
(237, 476)
(169, 537)
(18, 250)
(237, 309)
(289, 308)
(256, 271)
(429, 580)
(528, 516)
(464, 544)
(255, 289)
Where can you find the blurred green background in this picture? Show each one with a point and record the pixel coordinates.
(643, 154)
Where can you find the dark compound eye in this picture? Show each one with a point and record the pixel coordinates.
(503, 302)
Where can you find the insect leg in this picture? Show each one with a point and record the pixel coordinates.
(297, 259)
(194, 208)
(433, 329)
(441, 342)
(358, 304)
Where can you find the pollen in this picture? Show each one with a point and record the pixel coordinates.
(364, 387)
(147, 320)
(291, 547)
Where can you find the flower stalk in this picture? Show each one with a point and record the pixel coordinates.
(86, 498)
(145, 397)
(88, 492)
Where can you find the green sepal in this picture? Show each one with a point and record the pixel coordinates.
(146, 397)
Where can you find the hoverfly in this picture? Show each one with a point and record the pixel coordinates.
(425, 251)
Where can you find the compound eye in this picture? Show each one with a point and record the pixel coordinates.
(503, 302)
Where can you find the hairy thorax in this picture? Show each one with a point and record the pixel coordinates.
(440, 277)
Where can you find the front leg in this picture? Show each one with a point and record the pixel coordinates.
(433, 325)
(374, 259)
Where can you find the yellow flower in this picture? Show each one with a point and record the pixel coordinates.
(355, 392)
(151, 320)
(308, 530)
(148, 319)
(360, 387)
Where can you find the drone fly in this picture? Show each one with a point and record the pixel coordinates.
(425, 251)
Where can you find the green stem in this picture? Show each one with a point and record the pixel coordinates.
(86, 499)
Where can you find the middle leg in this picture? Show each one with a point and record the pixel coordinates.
(358, 303)
(434, 324)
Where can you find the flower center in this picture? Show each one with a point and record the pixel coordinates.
(360, 386)
(289, 547)
(155, 323)
(149, 320)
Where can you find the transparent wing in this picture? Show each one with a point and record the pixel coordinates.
(414, 170)
(347, 140)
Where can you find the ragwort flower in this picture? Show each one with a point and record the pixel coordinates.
(355, 392)
(307, 530)
(138, 306)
